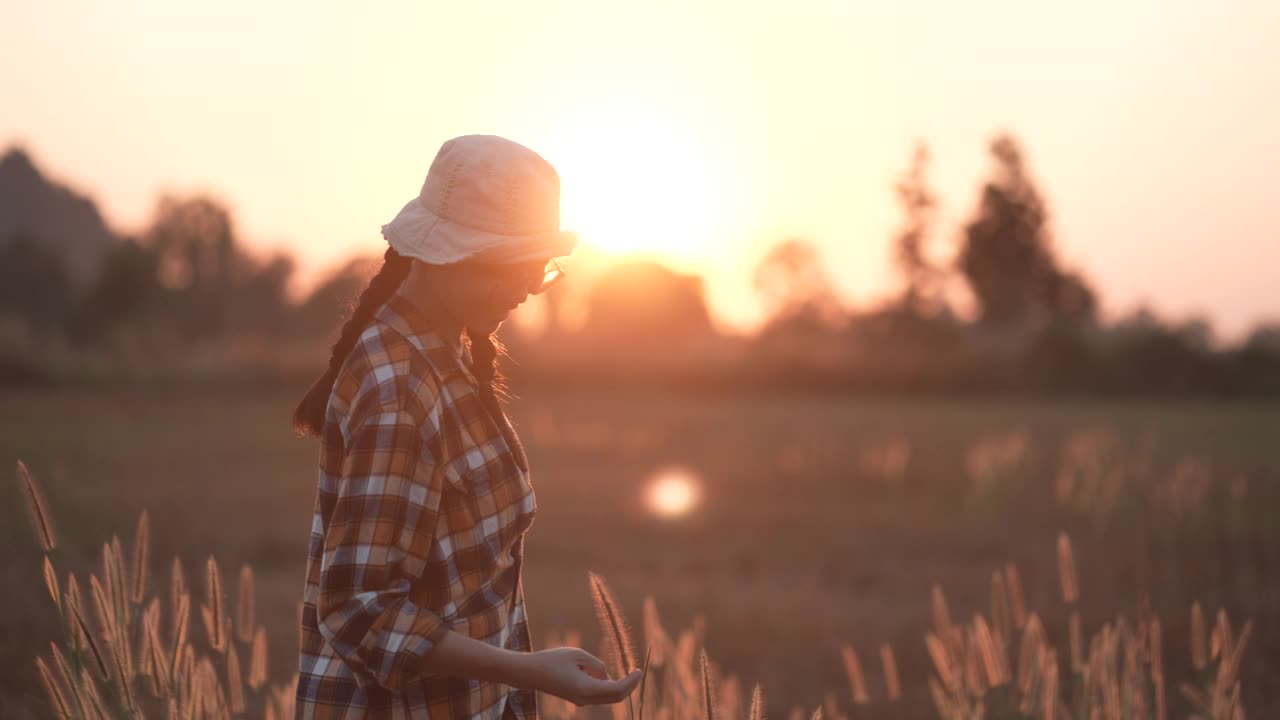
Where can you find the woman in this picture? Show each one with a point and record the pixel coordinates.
(413, 604)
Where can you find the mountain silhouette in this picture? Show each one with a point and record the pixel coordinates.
(67, 222)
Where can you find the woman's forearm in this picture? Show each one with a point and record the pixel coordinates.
(464, 656)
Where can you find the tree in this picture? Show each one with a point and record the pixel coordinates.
(1265, 338)
(195, 241)
(796, 289)
(1069, 299)
(1007, 256)
(1149, 354)
(125, 287)
(260, 301)
(34, 282)
(1256, 363)
(200, 268)
(324, 310)
(921, 277)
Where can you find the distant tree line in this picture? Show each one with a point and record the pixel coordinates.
(69, 287)
(1035, 324)
(187, 281)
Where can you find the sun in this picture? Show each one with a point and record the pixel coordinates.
(634, 180)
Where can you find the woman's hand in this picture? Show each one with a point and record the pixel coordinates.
(577, 676)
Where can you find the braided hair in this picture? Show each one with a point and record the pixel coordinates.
(484, 366)
(308, 417)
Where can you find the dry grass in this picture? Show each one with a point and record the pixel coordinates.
(123, 667)
(37, 508)
(1010, 609)
(998, 667)
(622, 654)
(982, 670)
(985, 668)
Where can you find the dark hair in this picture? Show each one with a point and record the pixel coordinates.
(484, 365)
(485, 350)
(308, 417)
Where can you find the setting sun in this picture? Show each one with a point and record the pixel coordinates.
(635, 180)
(860, 307)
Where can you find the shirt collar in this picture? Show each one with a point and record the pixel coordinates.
(419, 325)
(416, 325)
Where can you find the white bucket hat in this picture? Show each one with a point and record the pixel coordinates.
(485, 199)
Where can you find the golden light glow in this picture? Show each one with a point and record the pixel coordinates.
(673, 492)
(677, 130)
(636, 180)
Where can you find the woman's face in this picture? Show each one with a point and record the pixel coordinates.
(483, 296)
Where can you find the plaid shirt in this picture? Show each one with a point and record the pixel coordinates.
(419, 527)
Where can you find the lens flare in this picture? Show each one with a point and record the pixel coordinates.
(673, 492)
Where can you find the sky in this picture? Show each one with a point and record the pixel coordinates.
(698, 132)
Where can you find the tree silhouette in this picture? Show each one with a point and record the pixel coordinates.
(194, 239)
(260, 299)
(125, 287)
(796, 288)
(322, 313)
(1151, 354)
(34, 282)
(198, 263)
(921, 278)
(1007, 256)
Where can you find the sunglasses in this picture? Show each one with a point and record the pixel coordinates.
(536, 281)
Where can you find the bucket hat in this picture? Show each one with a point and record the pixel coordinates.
(485, 199)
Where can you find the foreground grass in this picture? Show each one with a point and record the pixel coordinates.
(823, 521)
(132, 663)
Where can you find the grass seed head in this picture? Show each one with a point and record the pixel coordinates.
(141, 541)
(213, 620)
(258, 663)
(891, 684)
(757, 704)
(708, 697)
(1067, 570)
(613, 624)
(853, 669)
(37, 509)
(56, 695)
(1199, 645)
(244, 608)
(51, 582)
(235, 688)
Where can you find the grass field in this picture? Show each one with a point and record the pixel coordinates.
(821, 520)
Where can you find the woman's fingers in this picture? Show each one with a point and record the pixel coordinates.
(611, 691)
(592, 665)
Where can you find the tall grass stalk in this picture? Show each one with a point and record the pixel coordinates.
(1002, 666)
(97, 674)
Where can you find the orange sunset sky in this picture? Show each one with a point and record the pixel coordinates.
(702, 132)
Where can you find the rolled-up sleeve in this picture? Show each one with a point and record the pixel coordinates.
(378, 539)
